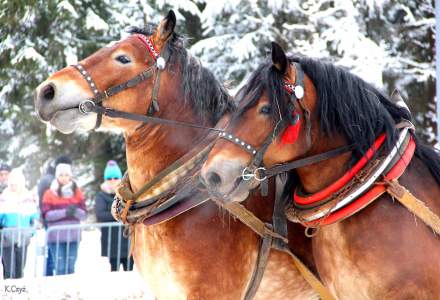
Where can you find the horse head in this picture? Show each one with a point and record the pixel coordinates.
(57, 99)
(260, 126)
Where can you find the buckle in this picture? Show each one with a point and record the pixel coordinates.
(256, 174)
(86, 106)
(247, 174)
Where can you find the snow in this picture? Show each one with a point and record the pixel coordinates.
(28, 53)
(93, 21)
(92, 278)
(70, 55)
(65, 5)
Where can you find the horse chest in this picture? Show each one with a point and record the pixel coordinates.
(158, 266)
(346, 278)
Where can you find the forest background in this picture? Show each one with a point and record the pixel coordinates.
(389, 43)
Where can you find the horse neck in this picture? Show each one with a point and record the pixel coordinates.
(152, 148)
(319, 175)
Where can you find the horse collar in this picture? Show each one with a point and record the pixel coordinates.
(357, 188)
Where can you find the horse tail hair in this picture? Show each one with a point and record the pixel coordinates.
(430, 157)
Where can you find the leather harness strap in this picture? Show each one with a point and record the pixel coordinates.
(277, 241)
(260, 267)
(414, 205)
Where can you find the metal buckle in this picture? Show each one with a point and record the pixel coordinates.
(257, 174)
(86, 106)
(247, 174)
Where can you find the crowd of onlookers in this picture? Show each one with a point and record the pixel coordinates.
(59, 202)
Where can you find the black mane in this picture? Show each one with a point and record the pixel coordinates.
(346, 105)
(204, 92)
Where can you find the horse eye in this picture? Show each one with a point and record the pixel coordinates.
(123, 59)
(266, 110)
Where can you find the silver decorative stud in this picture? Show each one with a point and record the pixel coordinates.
(96, 91)
(92, 84)
(249, 147)
(299, 91)
(253, 152)
(242, 143)
(230, 136)
(160, 63)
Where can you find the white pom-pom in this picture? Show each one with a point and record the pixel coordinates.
(299, 91)
(160, 63)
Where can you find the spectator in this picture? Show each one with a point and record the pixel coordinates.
(113, 244)
(18, 209)
(43, 186)
(63, 204)
(4, 174)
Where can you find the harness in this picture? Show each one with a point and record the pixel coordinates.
(157, 202)
(360, 186)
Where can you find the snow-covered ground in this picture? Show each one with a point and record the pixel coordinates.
(92, 278)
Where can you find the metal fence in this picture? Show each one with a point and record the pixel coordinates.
(54, 251)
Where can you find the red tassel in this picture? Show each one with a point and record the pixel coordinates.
(290, 135)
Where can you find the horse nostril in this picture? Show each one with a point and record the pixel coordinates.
(48, 92)
(214, 179)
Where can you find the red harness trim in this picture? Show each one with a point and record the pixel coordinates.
(372, 194)
(150, 45)
(337, 185)
(289, 87)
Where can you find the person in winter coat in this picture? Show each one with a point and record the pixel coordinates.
(63, 204)
(42, 187)
(4, 174)
(18, 216)
(113, 244)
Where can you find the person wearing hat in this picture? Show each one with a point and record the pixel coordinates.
(113, 244)
(63, 204)
(4, 175)
(42, 187)
(18, 215)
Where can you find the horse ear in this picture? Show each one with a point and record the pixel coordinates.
(166, 26)
(279, 58)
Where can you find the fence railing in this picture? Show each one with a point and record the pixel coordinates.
(14, 243)
(55, 251)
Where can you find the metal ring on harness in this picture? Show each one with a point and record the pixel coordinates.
(247, 174)
(86, 106)
(257, 174)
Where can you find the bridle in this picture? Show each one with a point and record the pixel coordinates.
(256, 169)
(95, 104)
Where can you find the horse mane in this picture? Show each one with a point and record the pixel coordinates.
(347, 105)
(199, 85)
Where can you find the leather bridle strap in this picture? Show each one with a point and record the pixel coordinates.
(278, 169)
(88, 105)
(85, 107)
(112, 113)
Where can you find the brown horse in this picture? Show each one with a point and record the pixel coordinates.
(382, 251)
(200, 254)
